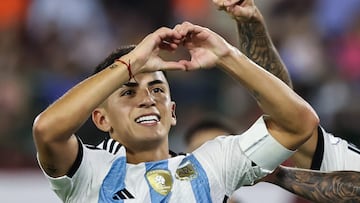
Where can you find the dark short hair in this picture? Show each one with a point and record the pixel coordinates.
(119, 52)
(206, 124)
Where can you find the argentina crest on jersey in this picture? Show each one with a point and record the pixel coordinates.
(160, 180)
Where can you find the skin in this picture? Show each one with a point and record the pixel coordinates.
(255, 43)
(145, 95)
(54, 128)
(337, 186)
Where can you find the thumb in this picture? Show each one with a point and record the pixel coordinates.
(241, 12)
(173, 65)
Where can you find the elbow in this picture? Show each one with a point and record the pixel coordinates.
(309, 123)
(41, 129)
(313, 120)
(51, 129)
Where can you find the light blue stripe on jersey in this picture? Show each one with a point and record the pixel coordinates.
(113, 182)
(200, 185)
(155, 196)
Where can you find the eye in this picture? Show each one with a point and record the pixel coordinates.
(127, 93)
(157, 90)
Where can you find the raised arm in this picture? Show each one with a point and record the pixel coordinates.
(254, 39)
(283, 105)
(54, 128)
(337, 186)
(255, 42)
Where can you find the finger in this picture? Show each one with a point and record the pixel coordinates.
(184, 28)
(228, 3)
(191, 30)
(168, 46)
(171, 41)
(240, 12)
(219, 4)
(172, 65)
(177, 27)
(168, 34)
(190, 65)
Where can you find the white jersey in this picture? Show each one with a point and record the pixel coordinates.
(334, 154)
(209, 174)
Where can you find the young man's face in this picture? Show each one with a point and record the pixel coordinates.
(141, 111)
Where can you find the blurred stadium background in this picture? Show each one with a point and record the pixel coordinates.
(47, 46)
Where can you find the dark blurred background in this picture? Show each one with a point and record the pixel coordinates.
(48, 46)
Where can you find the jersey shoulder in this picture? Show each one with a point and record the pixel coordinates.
(110, 145)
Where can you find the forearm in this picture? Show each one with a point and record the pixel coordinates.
(61, 119)
(340, 186)
(275, 98)
(255, 43)
(292, 119)
(54, 128)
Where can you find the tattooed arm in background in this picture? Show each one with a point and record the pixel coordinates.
(254, 38)
(337, 186)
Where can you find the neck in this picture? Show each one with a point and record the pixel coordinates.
(148, 155)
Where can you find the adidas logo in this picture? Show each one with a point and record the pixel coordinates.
(123, 194)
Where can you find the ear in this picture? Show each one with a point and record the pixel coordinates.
(100, 120)
(173, 115)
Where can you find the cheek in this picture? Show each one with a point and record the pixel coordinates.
(119, 115)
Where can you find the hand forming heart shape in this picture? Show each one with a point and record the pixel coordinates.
(205, 47)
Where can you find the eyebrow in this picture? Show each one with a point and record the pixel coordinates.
(155, 82)
(131, 84)
(151, 83)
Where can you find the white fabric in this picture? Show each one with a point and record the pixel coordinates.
(256, 144)
(220, 167)
(339, 155)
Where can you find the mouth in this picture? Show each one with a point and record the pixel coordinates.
(148, 119)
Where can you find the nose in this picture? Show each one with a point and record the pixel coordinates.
(146, 99)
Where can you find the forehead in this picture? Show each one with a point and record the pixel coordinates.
(145, 78)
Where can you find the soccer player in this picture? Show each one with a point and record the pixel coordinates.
(322, 151)
(130, 99)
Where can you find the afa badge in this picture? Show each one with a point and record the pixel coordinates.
(160, 180)
(186, 171)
